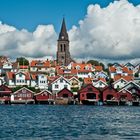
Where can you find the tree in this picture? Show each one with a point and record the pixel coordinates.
(109, 64)
(96, 63)
(23, 61)
(93, 62)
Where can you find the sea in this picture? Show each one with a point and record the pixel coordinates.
(69, 122)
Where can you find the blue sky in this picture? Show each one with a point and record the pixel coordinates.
(30, 13)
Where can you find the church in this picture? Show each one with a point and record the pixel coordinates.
(63, 53)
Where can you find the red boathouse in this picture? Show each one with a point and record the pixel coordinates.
(43, 97)
(5, 94)
(89, 94)
(64, 96)
(110, 96)
(22, 96)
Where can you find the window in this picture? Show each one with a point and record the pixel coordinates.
(100, 83)
(65, 86)
(42, 76)
(20, 75)
(65, 95)
(61, 80)
(61, 48)
(64, 47)
(56, 86)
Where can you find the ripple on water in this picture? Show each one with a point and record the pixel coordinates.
(34, 122)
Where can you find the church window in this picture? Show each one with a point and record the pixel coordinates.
(61, 47)
(64, 47)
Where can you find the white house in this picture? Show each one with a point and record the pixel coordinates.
(42, 81)
(17, 79)
(129, 66)
(99, 83)
(22, 78)
(101, 74)
(59, 84)
(120, 83)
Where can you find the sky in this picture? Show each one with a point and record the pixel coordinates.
(101, 29)
(29, 13)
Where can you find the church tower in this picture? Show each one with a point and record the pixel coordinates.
(63, 54)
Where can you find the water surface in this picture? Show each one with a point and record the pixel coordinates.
(43, 122)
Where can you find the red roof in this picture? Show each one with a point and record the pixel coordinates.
(23, 67)
(38, 63)
(88, 81)
(127, 78)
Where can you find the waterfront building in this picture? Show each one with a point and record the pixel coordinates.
(110, 96)
(43, 97)
(22, 96)
(89, 94)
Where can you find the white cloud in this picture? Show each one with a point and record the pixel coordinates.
(15, 43)
(108, 33)
(111, 33)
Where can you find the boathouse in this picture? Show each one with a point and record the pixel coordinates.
(125, 97)
(110, 96)
(22, 96)
(5, 94)
(44, 97)
(65, 96)
(89, 94)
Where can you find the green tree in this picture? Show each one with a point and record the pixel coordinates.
(93, 62)
(22, 61)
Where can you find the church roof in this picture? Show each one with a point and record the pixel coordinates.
(63, 33)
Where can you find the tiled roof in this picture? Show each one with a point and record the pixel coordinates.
(127, 78)
(98, 68)
(88, 81)
(38, 63)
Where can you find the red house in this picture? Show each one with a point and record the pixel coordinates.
(22, 96)
(125, 97)
(5, 94)
(64, 97)
(44, 97)
(110, 96)
(89, 94)
(65, 93)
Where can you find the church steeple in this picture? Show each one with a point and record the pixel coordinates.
(63, 53)
(63, 33)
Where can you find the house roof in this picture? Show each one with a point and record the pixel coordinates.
(39, 63)
(126, 78)
(24, 89)
(98, 68)
(11, 75)
(82, 66)
(45, 90)
(132, 83)
(64, 90)
(57, 78)
(88, 81)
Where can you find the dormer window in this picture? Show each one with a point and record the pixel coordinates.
(61, 80)
(20, 75)
(86, 67)
(78, 67)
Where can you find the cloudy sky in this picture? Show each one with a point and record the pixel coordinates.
(106, 30)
